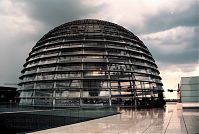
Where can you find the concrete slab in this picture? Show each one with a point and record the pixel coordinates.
(171, 120)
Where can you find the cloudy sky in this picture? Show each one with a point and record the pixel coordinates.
(170, 29)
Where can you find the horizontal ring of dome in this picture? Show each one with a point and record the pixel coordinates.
(94, 39)
(111, 71)
(85, 37)
(83, 55)
(90, 62)
(88, 52)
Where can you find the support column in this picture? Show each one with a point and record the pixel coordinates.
(54, 77)
(82, 76)
(133, 78)
(109, 77)
(54, 96)
(33, 97)
(81, 86)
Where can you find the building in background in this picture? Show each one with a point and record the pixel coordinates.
(189, 91)
(90, 62)
(8, 95)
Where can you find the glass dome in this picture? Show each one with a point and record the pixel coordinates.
(90, 62)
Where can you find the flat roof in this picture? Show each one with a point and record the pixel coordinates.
(4, 88)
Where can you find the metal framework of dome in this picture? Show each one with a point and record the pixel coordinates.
(90, 62)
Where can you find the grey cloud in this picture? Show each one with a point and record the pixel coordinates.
(53, 13)
(166, 19)
(188, 55)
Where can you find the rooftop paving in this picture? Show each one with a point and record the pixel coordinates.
(18, 119)
(169, 120)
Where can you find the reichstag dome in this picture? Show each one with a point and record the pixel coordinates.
(90, 62)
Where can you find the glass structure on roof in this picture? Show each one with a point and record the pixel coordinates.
(90, 62)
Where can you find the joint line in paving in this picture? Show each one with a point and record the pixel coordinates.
(168, 123)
